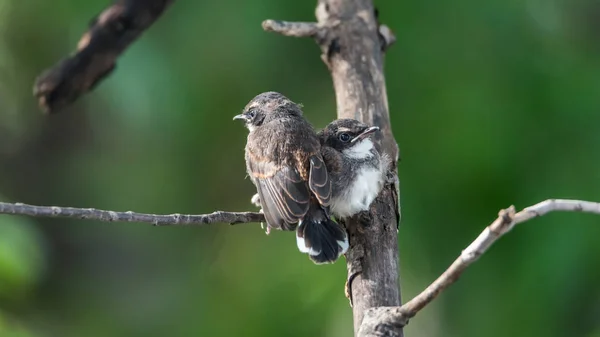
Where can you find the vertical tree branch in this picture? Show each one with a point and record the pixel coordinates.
(353, 52)
(352, 44)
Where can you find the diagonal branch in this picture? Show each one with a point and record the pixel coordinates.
(110, 33)
(391, 319)
(155, 219)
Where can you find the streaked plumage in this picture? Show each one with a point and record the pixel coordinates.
(284, 161)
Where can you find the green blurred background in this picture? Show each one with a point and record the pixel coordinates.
(493, 103)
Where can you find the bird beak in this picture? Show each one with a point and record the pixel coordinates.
(242, 116)
(365, 133)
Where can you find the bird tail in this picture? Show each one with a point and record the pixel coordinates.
(323, 239)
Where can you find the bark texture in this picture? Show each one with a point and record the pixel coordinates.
(352, 47)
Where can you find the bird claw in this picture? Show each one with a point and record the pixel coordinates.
(391, 178)
(365, 218)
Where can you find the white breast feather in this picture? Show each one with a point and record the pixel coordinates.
(361, 194)
(366, 187)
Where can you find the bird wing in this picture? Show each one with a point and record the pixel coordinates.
(318, 180)
(332, 158)
(284, 196)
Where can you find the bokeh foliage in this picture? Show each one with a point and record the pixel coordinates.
(493, 103)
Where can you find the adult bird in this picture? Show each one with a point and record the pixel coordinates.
(284, 161)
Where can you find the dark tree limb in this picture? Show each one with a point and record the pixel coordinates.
(155, 219)
(387, 321)
(110, 33)
(352, 42)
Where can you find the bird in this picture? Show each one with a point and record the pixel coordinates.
(356, 168)
(284, 162)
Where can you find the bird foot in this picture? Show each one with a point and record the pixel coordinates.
(365, 218)
(391, 178)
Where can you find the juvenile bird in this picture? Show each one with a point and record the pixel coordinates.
(356, 169)
(284, 161)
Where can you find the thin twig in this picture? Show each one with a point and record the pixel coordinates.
(155, 219)
(387, 318)
(295, 29)
(109, 34)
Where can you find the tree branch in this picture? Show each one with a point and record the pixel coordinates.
(352, 42)
(110, 216)
(294, 29)
(387, 321)
(110, 33)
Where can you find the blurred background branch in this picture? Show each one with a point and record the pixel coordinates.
(129, 216)
(110, 33)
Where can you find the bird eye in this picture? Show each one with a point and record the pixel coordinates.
(250, 113)
(344, 137)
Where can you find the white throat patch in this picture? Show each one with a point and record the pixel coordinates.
(362, 150)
